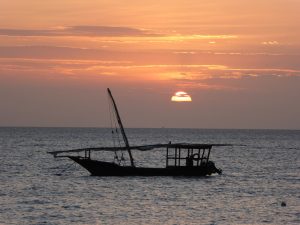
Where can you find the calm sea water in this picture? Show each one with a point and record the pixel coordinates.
(259, 172)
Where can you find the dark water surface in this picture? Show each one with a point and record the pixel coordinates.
(259, 173)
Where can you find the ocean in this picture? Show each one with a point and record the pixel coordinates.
(260, 171)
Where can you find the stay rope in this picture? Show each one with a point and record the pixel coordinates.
(115, 132)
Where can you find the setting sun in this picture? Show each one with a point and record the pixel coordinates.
(181, 96)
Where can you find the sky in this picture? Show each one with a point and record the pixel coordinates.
(238, 61)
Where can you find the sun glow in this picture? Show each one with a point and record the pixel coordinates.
(181, 96)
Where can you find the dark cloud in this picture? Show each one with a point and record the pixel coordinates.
(92, 31)
(107, 31)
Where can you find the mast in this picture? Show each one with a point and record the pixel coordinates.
(121, 127)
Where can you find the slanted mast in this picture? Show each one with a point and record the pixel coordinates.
(121, 127)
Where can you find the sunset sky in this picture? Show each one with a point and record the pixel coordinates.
(239, 61)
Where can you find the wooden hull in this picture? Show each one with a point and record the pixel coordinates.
(100, 168)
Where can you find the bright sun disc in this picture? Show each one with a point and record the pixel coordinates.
(181, 96)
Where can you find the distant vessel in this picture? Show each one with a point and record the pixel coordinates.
(182, 159)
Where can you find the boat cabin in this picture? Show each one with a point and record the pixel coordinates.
(187, 155)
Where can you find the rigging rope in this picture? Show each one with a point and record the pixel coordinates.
(115, 134)
(65, 169)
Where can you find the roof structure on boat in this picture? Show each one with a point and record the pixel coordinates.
(142, 147)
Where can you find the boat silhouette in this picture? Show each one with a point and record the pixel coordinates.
(181, 159)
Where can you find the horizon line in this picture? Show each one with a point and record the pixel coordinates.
(190, 128)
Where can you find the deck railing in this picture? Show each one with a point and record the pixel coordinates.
(191, 156)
